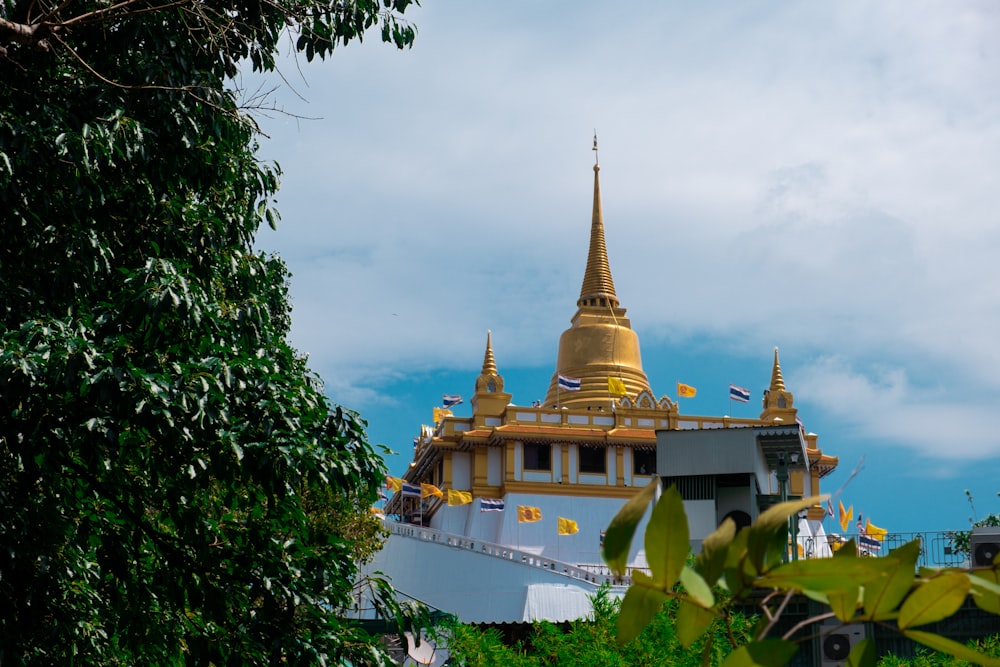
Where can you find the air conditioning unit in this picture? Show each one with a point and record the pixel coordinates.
(836, 641)
(984, 545)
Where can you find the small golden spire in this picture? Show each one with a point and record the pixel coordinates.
(597, 282)
(777, 382)
(489, 363)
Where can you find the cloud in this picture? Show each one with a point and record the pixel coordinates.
(819, 176)
(941, 421)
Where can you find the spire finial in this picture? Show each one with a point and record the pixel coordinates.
(777, 382)
(597, 161)
(489, 363)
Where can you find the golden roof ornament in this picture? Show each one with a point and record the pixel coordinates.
(489, 363)
(777, 381)
(597, 281)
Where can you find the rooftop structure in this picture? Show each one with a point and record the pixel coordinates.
(571, 462)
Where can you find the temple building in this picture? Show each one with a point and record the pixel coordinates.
(570, 462)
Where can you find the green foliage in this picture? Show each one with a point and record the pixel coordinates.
(593, 642)
(885, 590)
(960, 539)
(960, 656)
(174, 486)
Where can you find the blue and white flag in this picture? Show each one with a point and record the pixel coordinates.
(568, 383)
(448, 400)
(490, 505)
(410, 489)
(869, 543)
(739, 394)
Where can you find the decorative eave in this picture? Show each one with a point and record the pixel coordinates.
(534, 433)
(824, 464)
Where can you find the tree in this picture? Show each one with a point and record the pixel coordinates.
(733, 567)
(174, 486)
(960, 539)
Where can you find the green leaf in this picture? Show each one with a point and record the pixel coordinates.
(883, 594)
(776, 516)
(738, 573)
(618, 536)
(952, 647)
(711, 562)
(697, 588)
(825, 574)
(863, 654)
(692, 622)
(768, 536)
(667, 538)
(986, 590)
(641, 603)
(935, 599)
(766, 653)
(844, 603)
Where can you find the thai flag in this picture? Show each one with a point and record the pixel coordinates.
(410, 489)
(490, 505)
(449, 400)
(869, 543)
(568, 383)
(739, 394)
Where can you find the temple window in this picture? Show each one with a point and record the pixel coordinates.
(643, 461)
(537, 456)
(593, 459)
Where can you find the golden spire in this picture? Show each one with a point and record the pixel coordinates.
(598, 285)
(777, 382)
(489, 363)
(489, 399)
(600, 342)
(778, 401)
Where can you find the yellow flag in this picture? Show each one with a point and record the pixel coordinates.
(616, 387)
(394, 484)
(526, 514)
(845, 516)
(458, 497)
(874, 531)
(428, 490)
(567, 526)
(686, 390)
(441, 413)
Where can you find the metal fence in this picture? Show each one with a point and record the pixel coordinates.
(936, 547)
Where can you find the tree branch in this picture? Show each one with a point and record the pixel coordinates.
(23, 33)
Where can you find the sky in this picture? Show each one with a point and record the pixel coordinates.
(817, 176)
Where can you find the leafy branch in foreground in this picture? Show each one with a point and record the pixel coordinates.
(734, 566)
(175, 488)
